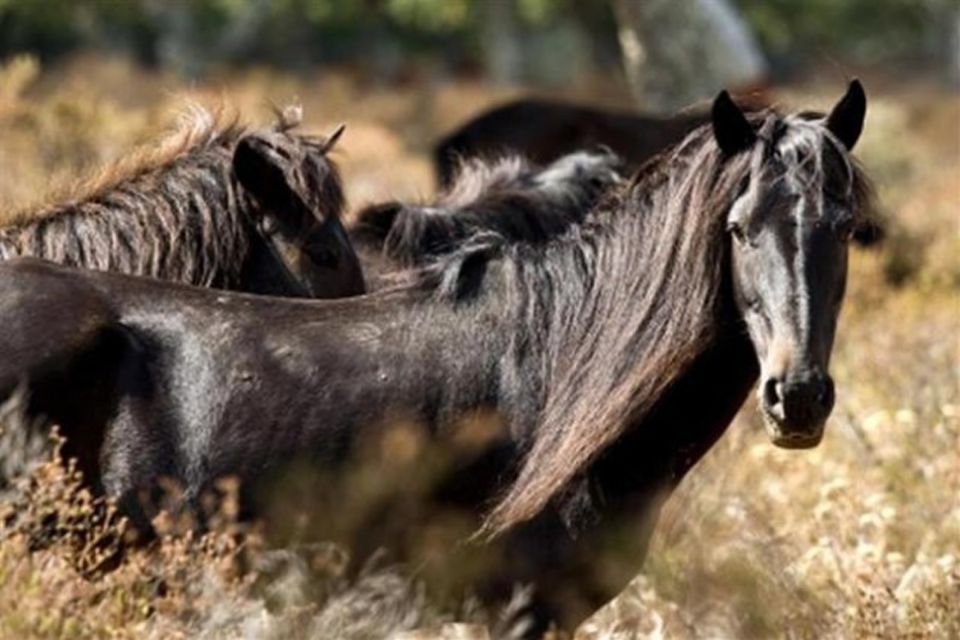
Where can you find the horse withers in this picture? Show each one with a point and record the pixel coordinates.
(613, 355)
(214, 205)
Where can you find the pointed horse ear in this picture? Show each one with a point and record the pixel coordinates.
(263, 173)
(333, 137)
(730, 127)
(846, 119)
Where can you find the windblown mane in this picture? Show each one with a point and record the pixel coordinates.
(616, 310)
(198, 128)
(172, 211)
(507, 196)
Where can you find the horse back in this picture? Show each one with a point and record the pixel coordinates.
(545, 130)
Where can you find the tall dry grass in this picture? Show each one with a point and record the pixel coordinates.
(858, 538)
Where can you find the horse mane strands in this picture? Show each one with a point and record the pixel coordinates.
(475, 176)
(196, 127)
(628, 340)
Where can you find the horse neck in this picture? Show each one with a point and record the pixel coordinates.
(656, 452)
(425, 360)
(181, 237)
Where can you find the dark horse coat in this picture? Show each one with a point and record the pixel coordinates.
(213, 205)
(544, 130)
(616, 354)
(508, 196)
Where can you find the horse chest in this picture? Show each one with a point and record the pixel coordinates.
(655, 454)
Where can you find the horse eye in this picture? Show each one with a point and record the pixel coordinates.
(269, 224)
(735, 229)
(844, 229)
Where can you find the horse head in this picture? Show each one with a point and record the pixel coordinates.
(790, 225)
(295, 203)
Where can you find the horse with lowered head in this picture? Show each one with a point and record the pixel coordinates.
(214, 205)
(508, 196)
(614, 354)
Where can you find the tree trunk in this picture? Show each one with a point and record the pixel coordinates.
(677, 52)
(500, 40)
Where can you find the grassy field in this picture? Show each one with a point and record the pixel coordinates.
(859, 538)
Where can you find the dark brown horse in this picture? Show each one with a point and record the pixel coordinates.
(544, 130)
(214, 205)
(508, 196)
(616, 354)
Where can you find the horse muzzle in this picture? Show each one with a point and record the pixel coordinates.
(796, 407)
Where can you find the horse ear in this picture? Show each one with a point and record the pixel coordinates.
(730, 126)
(333, 137)
(846, 119)
(258, 169)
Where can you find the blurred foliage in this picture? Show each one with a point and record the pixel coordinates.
(192, 36)
(864, 30)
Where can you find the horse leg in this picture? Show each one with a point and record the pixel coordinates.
(58, 339)
(569, 577)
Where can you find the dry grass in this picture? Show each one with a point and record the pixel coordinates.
(858, 538)
(56, 540)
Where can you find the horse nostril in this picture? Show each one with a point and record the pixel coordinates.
(826, 393)
(772, 392)
(807, 399)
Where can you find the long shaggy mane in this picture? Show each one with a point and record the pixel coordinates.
(173, 211)
(197, 128)
(621, 306)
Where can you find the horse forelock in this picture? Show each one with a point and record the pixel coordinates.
(663, 254)
(809, 152)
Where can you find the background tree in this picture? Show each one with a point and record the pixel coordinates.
(677, 52)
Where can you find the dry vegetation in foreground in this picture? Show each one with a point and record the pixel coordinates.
(858, 538)
(61, 577)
